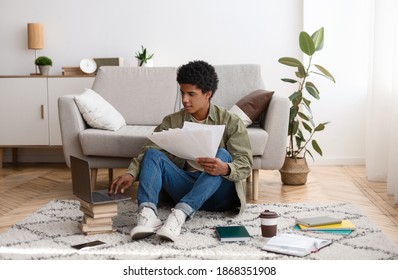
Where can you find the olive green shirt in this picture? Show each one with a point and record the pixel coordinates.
(235, 140)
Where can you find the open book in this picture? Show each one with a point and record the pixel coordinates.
(295, 245)
(190, 142)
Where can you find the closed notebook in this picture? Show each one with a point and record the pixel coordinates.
(318, 221)
(295, 245)
(345, 225)
(233, 233)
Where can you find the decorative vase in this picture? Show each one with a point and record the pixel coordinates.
(44, 70)
(294, 171)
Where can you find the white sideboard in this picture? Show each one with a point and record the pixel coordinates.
(29, 110)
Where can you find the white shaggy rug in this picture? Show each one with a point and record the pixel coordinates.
(49, 233)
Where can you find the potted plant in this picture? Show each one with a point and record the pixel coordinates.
(302, 126)
(143, 58)
(44, 63)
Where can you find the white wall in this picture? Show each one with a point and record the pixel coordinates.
(177, 31)
(346, 55)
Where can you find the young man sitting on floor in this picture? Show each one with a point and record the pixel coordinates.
(210, 184)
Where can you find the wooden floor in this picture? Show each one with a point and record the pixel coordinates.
(26, 187)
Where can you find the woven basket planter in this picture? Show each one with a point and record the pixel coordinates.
(294, 171)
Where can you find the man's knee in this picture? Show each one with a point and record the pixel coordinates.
(152, 153)
(224, 155)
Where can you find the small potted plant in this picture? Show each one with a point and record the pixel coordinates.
(302, 126)
(143, 58)
(44, 63)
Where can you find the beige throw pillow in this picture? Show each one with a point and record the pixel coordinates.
(97, 112)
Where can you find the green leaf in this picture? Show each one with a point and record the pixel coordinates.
(318, 38)
(301, 135)
(295, 98)
(301, 73)
(321, 126)
(298, 142)
(309, 152)
(289, 80)
(290, 61)
(316, 147)
(307, 45)
(325, 72)
(293, 113)
(295, 127)
(307, 107)
(307, 127)
(303, 116)
(307, 103)
(310, 87)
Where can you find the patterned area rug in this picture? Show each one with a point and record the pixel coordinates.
(49, 233)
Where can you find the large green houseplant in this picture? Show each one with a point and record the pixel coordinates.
(302, 126)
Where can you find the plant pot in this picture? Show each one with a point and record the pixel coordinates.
(294, 171)
(44, 70)
(149, 63)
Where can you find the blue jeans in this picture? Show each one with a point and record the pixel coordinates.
(191, 191)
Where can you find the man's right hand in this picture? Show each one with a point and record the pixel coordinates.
(121, 183)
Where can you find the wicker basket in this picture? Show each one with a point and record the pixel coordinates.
(294, 171)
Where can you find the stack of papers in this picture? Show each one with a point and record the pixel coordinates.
(190, 142)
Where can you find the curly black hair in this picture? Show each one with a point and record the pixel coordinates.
(198, 73)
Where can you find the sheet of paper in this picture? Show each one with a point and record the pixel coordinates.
(192, 141)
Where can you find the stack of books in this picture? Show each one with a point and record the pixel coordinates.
(73, 71)
(97, 218)
(325, 224)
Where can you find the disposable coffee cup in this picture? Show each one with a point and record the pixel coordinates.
(269, 222)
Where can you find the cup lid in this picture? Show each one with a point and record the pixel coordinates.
(268, 214)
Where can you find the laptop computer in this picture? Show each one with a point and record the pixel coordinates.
(81, 182)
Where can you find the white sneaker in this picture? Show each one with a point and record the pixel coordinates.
(172, 226)
(148, 223)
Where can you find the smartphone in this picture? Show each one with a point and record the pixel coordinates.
(88, 244)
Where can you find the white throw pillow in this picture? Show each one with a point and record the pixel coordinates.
(242, 115)
(97, 112)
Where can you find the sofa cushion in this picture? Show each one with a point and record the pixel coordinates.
(258, 140)
(143, 95)
(236, 81)
(126, 142)
(97, 112)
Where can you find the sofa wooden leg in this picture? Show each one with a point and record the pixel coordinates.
(110, 174)
(255, 174)
(249, 179)
(1, 157)
(94, 172)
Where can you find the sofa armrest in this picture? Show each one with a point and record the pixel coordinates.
(276, 124)
(71, 124)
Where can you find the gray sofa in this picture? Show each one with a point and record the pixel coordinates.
(145, 95)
